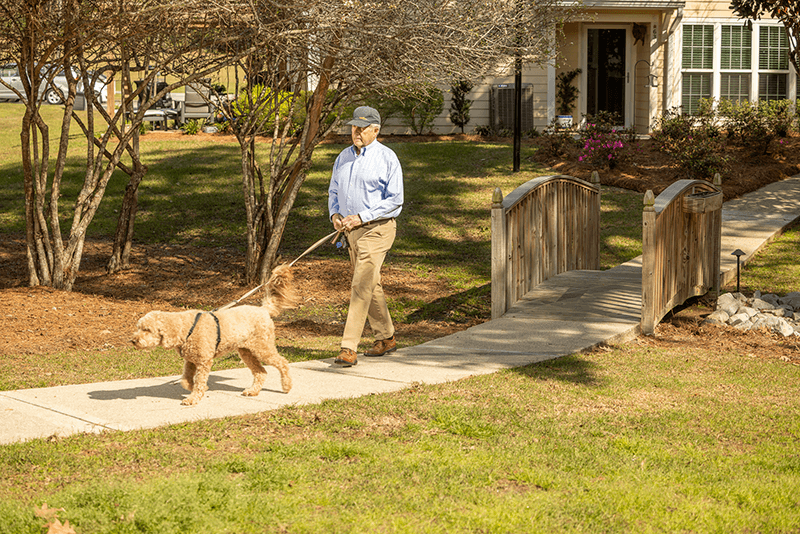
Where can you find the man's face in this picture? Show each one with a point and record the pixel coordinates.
(364, 135)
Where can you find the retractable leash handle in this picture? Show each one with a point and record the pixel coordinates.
(341, 242)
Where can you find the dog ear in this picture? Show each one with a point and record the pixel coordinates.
(169, 327)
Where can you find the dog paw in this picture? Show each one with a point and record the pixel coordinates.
(251, 392)
(190, 401)
(287, 386)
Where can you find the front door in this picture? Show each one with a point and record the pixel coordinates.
(606, 72)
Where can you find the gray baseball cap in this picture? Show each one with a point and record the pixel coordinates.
(364, 116)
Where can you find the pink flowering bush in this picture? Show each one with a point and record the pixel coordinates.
(601, 149)
(603, 143)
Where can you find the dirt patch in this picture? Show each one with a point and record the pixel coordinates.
(102, 311)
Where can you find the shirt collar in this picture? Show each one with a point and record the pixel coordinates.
(364, 149)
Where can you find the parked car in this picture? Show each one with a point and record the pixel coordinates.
(60, 80)
(10, 75)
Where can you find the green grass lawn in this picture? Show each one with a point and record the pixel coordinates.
(631, 438)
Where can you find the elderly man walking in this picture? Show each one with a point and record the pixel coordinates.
(364, 198)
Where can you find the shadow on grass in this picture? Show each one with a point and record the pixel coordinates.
(572, 369)
(458, 307)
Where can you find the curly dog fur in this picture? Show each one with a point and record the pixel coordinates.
(246, 329)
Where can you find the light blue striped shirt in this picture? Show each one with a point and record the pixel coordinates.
(369, 184)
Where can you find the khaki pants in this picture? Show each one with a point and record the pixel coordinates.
(368, 247)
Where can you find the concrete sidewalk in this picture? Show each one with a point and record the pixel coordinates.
(574, 311)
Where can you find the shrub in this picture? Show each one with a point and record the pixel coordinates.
(566, 92)
(600, 149)
(693, 141)
(555, 141)
(260, 104)
(756, 125)
(459, 105)
(745, 125)
(192, 126)
(778, 115)
(421, 104)
(603, 142)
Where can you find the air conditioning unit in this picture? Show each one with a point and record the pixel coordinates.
(501, 109)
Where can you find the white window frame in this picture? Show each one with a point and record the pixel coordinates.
(716, 71)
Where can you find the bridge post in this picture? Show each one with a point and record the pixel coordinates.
(648, 263)
(499, 255)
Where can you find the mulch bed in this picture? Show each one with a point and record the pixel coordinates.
(102, 310)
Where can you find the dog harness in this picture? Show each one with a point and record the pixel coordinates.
(197, 318)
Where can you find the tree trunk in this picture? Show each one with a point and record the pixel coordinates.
(120, 252)
(123, 237)
(296, 175)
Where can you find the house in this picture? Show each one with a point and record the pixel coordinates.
(640, 58)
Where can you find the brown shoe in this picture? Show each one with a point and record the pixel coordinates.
(381, 347)
(346, 358)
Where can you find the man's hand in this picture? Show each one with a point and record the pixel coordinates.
(350, 222)
(337, 222)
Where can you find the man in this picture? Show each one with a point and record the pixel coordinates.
(364, 197)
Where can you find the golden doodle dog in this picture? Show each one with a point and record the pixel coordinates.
(200, 336)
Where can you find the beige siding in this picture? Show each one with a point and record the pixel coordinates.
(708, 9)
(711, 9)
(648, 102)
(480, 112)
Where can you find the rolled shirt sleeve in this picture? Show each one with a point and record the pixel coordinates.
(369, 184)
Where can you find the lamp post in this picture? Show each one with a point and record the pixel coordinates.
(738, 253)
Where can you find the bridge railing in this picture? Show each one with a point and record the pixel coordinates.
(546, 226)
(681, 241)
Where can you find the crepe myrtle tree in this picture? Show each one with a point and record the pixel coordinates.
(786, 11)
(82, 39)
(319, 57)
(181, 50)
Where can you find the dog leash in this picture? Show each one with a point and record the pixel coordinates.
(334, 235)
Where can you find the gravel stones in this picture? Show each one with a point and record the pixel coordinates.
(771, 312)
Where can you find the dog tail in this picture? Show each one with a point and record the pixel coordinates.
(280, 292)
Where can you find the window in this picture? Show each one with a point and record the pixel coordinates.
(773, 50)
(735, 87)
(698, 47)
(735, 55)
(695, 88)
(7, 71)
(698, 62)
(772, 86)
(773, 54)
(735, 47)
(727, 60)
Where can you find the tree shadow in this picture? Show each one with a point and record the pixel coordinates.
(472, 303)
(572, 369)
